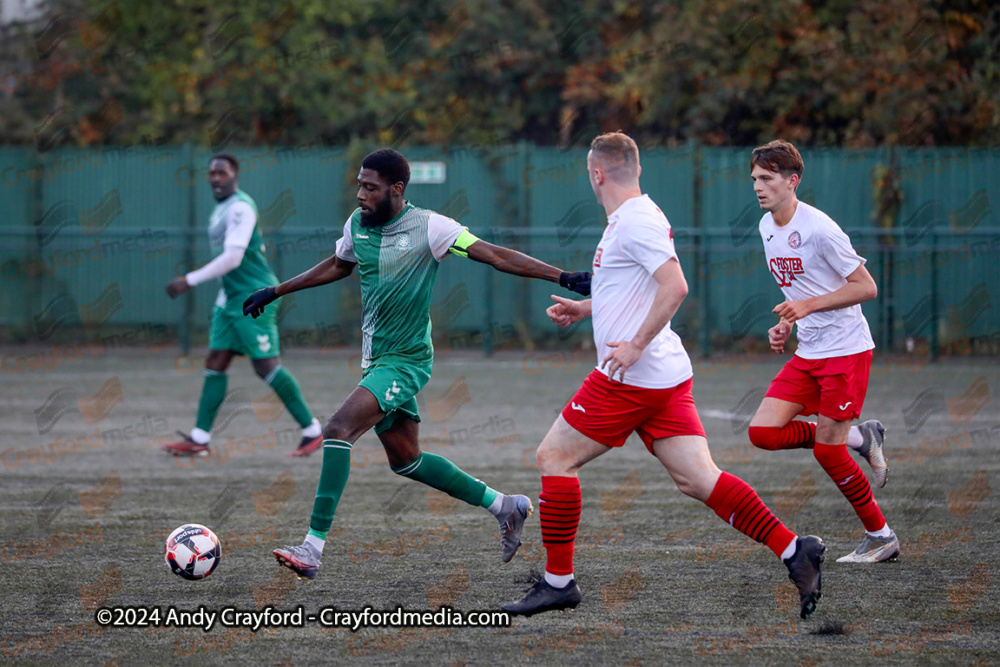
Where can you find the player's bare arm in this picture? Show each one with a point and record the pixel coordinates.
(330, 270)
(517, 263)
(860, 287)
(510, 261)
(671, 290)
(566, 311)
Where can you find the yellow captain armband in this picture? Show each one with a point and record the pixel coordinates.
(461, 245)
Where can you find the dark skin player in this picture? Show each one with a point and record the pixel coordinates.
(224, 182)
(380, 202)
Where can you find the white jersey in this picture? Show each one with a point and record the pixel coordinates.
(809, 257)
(637, 241)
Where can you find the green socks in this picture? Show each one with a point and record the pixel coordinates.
(213, 392)
(281, 381)
(286, 387)
(440, 473)
(433, 470)
(332, 480)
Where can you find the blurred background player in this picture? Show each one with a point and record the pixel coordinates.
(824, 282)
(240, 262)
(398, 247)
(637, 287)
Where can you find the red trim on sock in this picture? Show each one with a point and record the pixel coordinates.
(559, 515)
(847, 475)
(796, 434)
(738, 504)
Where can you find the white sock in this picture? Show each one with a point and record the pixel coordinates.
(558, 580)
(789, 550)
(314, 430)
(315, 543)
(200, 436)
(854, 438)
(882, 532)
(494, 507)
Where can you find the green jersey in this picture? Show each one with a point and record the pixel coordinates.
(398, 263)
(234, 224)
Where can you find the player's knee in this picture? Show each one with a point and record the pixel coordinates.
(764, 437)
(264, 367)
(334, 430)
(217, 362)
(550, 463)
(698, 486)
(688, 488)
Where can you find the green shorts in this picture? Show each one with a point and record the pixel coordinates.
(395, 383)
(242, 334)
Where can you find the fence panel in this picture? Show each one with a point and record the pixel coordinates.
(89, 238)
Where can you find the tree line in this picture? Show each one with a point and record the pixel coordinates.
(478, 72)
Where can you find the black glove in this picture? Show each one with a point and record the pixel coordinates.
(578, 282)
(254, 306)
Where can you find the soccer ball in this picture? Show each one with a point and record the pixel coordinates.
(192, 551)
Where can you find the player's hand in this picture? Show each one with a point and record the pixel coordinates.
(578, 282)
(565, 311)
(177, 286)
(778, 335)
(255, 304)
(624, 355)
(792, 311)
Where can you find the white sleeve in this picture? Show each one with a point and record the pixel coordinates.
(345, 245)
(231, 257)
(442, 232)
(240, 221)
(648, 241)
(839, 253)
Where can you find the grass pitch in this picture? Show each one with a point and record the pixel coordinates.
(87, 500)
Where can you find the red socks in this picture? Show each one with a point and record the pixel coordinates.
(796, 434)
(732, 499)
(739, 505)
(559, 513)
(846, 474)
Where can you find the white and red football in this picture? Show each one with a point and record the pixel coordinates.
(192, 551)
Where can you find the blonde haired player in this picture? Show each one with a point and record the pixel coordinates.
(642, 384)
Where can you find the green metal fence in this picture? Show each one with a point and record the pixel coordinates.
(88, 239)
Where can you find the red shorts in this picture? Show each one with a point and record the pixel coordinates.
(833, 387)
(609, 412)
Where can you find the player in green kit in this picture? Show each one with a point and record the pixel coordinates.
(240, 262)
(397, 248)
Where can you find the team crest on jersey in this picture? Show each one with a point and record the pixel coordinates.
(403, 241)
(597, 256)
(794, 240)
